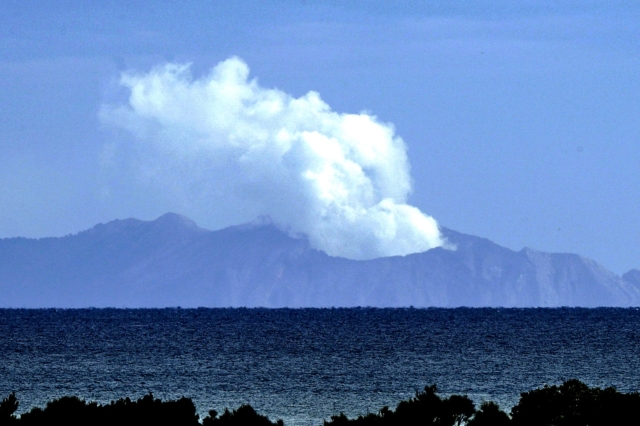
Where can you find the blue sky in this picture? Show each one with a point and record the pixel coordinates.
(520, 118)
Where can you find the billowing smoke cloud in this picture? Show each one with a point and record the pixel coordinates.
(340, 179)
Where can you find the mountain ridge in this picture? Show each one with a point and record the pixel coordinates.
(171, 261)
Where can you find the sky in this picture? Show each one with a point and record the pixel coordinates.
(514, 121)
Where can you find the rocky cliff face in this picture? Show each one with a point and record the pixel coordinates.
(173, 262)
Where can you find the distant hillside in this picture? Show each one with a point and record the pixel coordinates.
(172, 262)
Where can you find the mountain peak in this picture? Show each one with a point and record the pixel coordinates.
(168, 222)
(175, 220)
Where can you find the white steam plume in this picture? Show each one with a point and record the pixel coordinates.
(340, 179)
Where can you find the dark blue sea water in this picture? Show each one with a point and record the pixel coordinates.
(304, 365)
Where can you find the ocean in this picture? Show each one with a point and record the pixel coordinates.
(304, 365)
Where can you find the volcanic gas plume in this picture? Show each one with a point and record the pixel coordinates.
(340, 179)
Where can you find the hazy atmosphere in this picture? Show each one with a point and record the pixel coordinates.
(360, 124)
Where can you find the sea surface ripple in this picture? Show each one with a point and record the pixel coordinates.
(304, 365)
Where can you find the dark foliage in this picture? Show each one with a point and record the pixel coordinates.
(8, 407)
(73, 411)
(490, 415)
(575, 404)
(244, 415)
(123, 412)
(426, 408)
(570, 404)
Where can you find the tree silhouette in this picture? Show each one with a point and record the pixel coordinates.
(245, 415)
(8, 407)
(490, 414)
(573, 403)
(425, 408)
(457, 409)
(147, 410)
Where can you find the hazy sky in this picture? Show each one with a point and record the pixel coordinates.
(520, 118)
